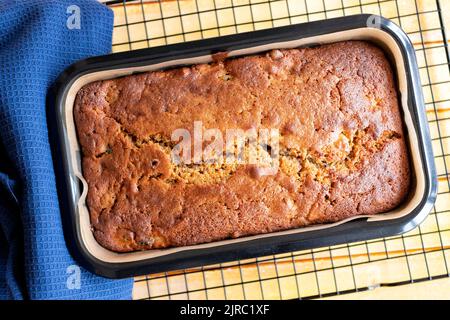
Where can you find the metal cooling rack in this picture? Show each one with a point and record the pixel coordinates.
(420, 255)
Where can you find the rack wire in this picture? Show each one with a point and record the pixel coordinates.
(419, 255)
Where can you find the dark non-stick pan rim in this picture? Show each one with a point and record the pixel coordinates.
(356, 230)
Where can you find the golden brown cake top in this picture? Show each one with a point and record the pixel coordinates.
(341, 146)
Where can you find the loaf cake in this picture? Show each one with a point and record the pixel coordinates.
(341, 148)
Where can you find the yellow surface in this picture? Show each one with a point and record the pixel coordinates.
(429, 290)
(420, 254)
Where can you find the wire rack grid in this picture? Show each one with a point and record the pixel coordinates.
(419, 255)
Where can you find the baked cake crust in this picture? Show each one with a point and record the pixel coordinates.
(342, 147)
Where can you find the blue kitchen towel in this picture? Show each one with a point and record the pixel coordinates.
(38, 39)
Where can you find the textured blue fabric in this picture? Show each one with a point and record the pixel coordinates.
(36, 44)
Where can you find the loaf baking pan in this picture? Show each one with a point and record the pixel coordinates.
(72, 187)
